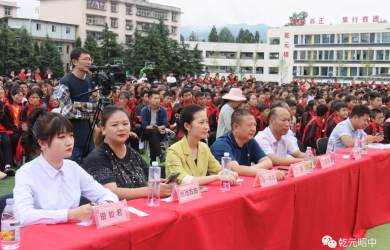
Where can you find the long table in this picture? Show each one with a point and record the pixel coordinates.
(342, 201)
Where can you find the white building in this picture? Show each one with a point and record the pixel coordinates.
(63, 35)
(314, 50)
(122, 16)
(8, 9)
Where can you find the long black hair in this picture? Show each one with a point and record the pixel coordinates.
(187, 115)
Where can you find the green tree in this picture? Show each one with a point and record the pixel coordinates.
(135, 54)
(213, 36)
(111, 50)
(225, 36)
(299, 16)
(257, 37)
(383, 21)
(9, 50)
(282, 67)
(51, 57)
(248, 37)
(181, 38)
(368, 63)
(37, 53)
(240, 36)
(91, 45)
(193, 37)
(198, 60)
(203, 40)
(28, 57)
(78, 42)
(214, 59)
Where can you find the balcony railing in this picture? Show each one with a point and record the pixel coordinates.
(96, 5)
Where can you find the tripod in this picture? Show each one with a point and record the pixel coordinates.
(103, 102)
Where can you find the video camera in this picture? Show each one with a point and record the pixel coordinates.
(113, 76)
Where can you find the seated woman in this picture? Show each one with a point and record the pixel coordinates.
(48, 189)
(191, 157)
(115, 165)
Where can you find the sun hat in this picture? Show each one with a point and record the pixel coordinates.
(235, 94)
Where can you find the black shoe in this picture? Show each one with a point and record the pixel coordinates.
(9, 172)
(162, 158)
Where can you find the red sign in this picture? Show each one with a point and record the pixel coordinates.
(375, 19)
(321, 21)
(365, 19)
(298, 169)
(294, 21)
(285, 54)
(312, 21)
(265, 179)
(303, 21)
(188, 192)
(286, 45)
(354, 19)
(345, 19)
(287, 35)
(111, 214)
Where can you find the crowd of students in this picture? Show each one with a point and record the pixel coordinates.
(260, 125)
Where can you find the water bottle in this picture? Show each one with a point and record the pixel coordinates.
(226, 168)
(332, 150)
(309, 160)
(358, 144)
(154, 185)
(364, 144)
(10, 226)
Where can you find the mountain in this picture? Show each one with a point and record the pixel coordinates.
(204, 31)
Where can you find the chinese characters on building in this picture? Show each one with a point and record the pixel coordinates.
(375, 19)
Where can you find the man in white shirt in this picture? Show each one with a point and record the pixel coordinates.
(274, 140)
(171, 78)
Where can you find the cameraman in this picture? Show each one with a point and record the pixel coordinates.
(80, 111)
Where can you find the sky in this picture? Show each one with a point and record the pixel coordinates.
(272, 13)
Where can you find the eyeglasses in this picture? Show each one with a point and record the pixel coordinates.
(87, 60)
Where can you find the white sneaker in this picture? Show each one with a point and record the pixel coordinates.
(141, 145)
(2, 175)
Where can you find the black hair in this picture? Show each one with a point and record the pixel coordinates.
(153, 92)
(167, 93)
(105, 115)
(113, 89)
(384, 109)
(187, 115)
(238, 114)
(248, 96)
(266, 90)
(318, 97)
(310, 105)
(262, 107)
(305, 94)
(199, 94)
(125, 93)
(339, 106)
(291, 103)
(359, 111)
(44, 126)
(15, 89)
(278, 103)
(35, 68)
(374, 95)
(76, 52)
(173, 92)
(350, 98)
(322, 109)
(184, 91)
(47, 97)
(34, 91)
(219, 101)
(375, 112)
(143, 92)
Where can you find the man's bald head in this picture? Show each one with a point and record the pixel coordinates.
(279, 121)
(276, 112)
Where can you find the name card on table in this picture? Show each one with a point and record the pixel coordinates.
(323, 161)
(188, 192)
(265, 179)
(355, 154)
(297, 170)
(111, 214)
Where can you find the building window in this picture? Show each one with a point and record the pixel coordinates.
(95, 20)
(308, 55)
(358, 53)
(223, 54)
(113, 7)
(274, 41)
(53, 28)
(173, 30)
(273, 70)
(345, 38)
(295, 39)
(159, 14)
(339, 54)
(332, 38)
(307, 39)
(144, 12)
(316, 39)
(222, 67)
(320, 55)
(7, 10)
(379, 54)
(247, 69)
(379, 37)
(39, 26)
(326, 55)
(345, 54)
(325, 38)
(372, 37)
(331, 55)
(364, 38)
(95, 34)
(324, 71)
(295, 56)
(273, 55)
(174, 17)
(386, 37)
(128, 10)
(95, 4)
(114, 22)
(129, 25)
(260, 70)
(316, 71)
(355, 38)
(260, 55)
(302, 55)
(387, 55)
(67, 49)
(67, 30)
(144, 26)
(60, 48)
(353, 71)
(353, 55)
(128, 39)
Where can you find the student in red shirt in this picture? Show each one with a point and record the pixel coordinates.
(340, 114)
(375, 126)
(301, 106)
(351, 101)
(312, 83)
(310, 111)
(260, 98)
(186, 94)
(201, 101)
(35, 77)
(313, 130)
(209, 102)
(252, 102)
(167, 104)
(262, 118)
(50, 102)
(267, 94)
(22, 74)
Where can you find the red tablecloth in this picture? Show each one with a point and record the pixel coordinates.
(342, 201)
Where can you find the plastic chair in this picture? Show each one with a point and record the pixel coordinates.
(301, 147)
(164, 147)
(3, 199)
(322, 143)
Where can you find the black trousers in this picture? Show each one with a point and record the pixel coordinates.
(137, 129)
(8, 147)
(134, 143)
(154, 139)
(212, 138)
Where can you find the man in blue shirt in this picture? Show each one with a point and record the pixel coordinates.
(154, 122)
(241, 146)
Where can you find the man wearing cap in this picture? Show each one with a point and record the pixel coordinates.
(232, 100)
(171, 78)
